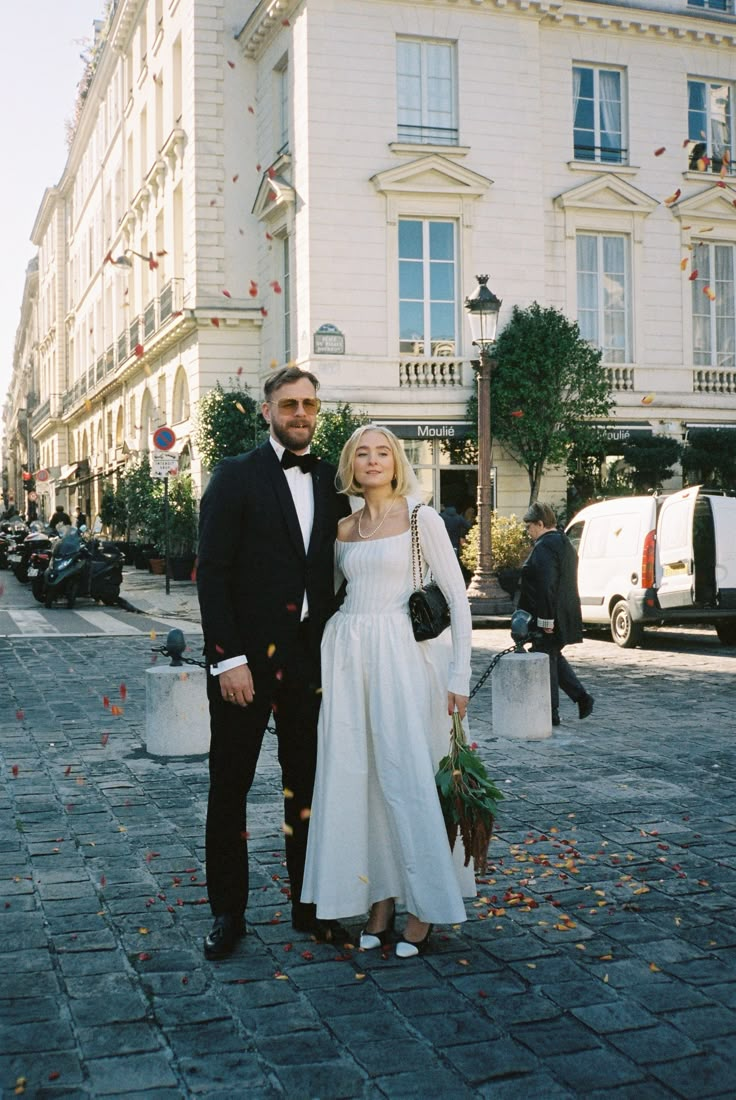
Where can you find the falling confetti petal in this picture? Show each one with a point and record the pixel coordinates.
(693, 275)
(215, 321)
(658, 152)
(673, 198)
(517, 413)
(239, 407)
(264, 311)
(709, 293)
(250, 110)
(648, 398)
(19, 714)
(684, 262)
(227, 293)
(123, 692)
(138, 351)
(236, 177)
(288, 793)
(271, 650)
(15, 769)
(231, 64)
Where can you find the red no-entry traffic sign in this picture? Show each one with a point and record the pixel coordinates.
(164, 439)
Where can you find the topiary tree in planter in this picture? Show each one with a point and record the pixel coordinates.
(334, 428)
(510, 547)
(228, 422)
(651, 460)
(709, 458)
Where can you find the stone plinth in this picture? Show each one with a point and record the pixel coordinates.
(177, 712)
(522, 706)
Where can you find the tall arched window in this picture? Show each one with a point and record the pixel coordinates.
(119, 431)
(180, 403)
(146, 422)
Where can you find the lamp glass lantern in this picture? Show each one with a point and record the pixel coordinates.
(483, 308)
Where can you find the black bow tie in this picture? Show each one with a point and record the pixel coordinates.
(306, 463)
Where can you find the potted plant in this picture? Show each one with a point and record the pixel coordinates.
(182, 527)
(510, 547)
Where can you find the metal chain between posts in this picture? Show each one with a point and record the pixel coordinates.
(163, 649)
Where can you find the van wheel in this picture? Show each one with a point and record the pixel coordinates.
(624, 632)
(726, 632)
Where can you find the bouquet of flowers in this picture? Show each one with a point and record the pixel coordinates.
(468, 797)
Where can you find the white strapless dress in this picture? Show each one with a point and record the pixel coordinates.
(376, 829)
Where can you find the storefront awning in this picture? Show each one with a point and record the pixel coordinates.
(68, 471)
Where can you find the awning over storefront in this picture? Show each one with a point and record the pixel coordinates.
(68, 471)
(429, 429)
(624, 433)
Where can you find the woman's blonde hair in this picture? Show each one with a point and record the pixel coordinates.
(404, 481)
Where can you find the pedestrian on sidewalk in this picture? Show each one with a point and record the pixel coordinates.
(549, 592)
(265, 579)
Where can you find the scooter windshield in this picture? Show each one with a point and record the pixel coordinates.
(69, 545)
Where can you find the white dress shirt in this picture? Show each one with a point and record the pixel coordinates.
(302, 493)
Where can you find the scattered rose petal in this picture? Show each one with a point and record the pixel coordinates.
(646, 400)
(215, 321)
(123, 692)
(138, 351)
(232, 66)
(658, 152)
(673, 197)
(227, 293)
(14, 770)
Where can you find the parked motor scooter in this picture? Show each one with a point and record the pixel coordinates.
(38, 563)
(39, 538)
(12, 532)
(81, 568)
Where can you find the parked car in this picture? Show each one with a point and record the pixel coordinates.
(658, 559)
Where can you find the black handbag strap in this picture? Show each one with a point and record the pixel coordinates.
(416, 550)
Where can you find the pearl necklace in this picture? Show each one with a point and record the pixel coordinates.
(380, 525)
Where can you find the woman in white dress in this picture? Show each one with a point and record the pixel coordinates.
(376, 834)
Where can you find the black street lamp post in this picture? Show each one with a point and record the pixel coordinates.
(484, 592)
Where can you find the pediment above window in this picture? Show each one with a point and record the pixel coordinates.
(431, 175)
(607, 194)
(711, 205)
(274, 197)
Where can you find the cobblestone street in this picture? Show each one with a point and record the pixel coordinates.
(599, 959)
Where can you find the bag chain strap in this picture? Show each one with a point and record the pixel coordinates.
(416, 556)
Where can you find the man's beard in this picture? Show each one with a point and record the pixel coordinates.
(293, 439)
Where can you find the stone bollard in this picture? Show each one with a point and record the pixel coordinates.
(177, 711)
(522, 707)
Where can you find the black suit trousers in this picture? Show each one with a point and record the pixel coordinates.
(561, 673)
(292, 694)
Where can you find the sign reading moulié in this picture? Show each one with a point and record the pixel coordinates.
(429, 429)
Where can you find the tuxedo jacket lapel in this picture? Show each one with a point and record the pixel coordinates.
(320, 489)
(283, 495)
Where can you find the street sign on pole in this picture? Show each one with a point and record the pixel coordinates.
(42, 475)
(164, 465)
(164, 438)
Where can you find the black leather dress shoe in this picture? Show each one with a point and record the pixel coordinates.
(222, 937)
(555, 718)
(324, 931)
(585, 705)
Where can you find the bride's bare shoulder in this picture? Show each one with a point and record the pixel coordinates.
(346, 527)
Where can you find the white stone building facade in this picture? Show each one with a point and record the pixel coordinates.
(308, 176)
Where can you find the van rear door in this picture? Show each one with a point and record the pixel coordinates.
(724, 522)
(675, 558)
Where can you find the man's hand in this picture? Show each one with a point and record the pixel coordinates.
(457, 703)
(236, 686)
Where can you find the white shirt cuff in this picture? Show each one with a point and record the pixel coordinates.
(225, 666)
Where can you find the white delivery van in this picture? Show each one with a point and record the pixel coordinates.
(657, 560)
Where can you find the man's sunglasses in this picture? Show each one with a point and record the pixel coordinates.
(290, 405)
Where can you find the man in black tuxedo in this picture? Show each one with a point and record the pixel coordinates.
(265, 577)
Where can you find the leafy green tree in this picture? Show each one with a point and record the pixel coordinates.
(709, 458)
(113, 510)
(228, 423)
(509, 541)
(138, 491)
(334, 428)
(651, 460)
(547, 383)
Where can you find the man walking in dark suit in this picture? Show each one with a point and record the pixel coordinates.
(265, 577)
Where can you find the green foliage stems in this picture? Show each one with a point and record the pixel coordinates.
(510, 543)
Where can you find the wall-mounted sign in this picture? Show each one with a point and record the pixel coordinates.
(328, 340)
(429, 429)
(164, 439)
(623, 433)
(163, 465)
(42, 475)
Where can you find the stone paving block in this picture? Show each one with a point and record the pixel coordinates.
(38, 1067)
(235, 1076)
(349, 1000)
(92, 962)
(562, 1035)
(530, 1086)
(116, 1039)
(171, 1012)
(125, 1007)
(54, 1035)
(653, 1044)
(585, 991)
(701, 1075)
(724, 994)
(320, 974)
(620, 1015)
(521, 1008)
(487, 1061)
(260, 994)
(99, 939)
(426, 1002)
(704, 1022)
(370, 1030)
(604, 1067)
(145, 1072)
(30, 963)
(219, 1036)
(296, 1016)
(550, 970)
(393, 1056)
(434, 1082)
(703, 971)
(448, 1030)
(302, 1048)
(670, 995)
(28, 1010)
(338, 1080)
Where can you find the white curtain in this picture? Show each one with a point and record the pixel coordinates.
(610, 108)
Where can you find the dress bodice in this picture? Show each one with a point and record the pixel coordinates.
(378, 573)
